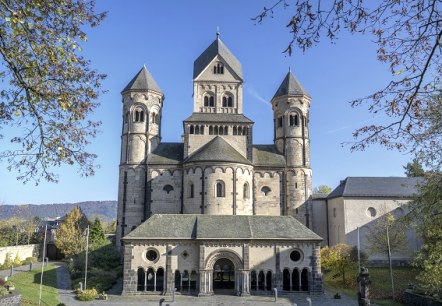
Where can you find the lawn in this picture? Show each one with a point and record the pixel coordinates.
(380, 288)
(28, 284)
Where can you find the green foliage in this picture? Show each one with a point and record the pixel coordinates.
(324, 189)
(4, 291)
(17, 260)
(87, 295)
(50, 88)
(70, 239)
(426, 211)
(29, 260)
(8, 262)
(339, 258)
(96, 234)
(414, 168)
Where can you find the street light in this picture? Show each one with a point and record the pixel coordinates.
(85, 263)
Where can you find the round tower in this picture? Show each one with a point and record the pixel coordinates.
(142, 104)
(291, 106)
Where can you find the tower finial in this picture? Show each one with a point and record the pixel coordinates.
(290, 70)
(217, 32)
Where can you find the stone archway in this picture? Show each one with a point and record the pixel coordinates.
(222, 274)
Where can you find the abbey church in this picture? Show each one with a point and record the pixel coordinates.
(216, 213)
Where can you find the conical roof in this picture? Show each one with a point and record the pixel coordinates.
(143, 80)
(290, 86)
(217, 150)
(216, 48)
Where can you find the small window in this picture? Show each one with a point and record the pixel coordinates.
(168, 188)
(197, 130)
(139, 115)
(295, 255)
(279, 121)
(294, 120)
(371, 212)
(220, 189)
(191, 191)
(218, 68)
(334, 212)
(191, 130)
(152, 255)
(126, 119)
(206, 101)
(210, 130)
(235, 131)
(246, 191)
(229, 102)
(224, 101)
(266, 190)
(211, 101)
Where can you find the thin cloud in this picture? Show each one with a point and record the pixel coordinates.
(256, 95)
(347, 127)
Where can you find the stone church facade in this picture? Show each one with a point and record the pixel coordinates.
(216, 212)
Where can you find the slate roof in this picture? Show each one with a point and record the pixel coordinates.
(143, 80)
(216, 48)
(267, 155)
(195, 227)
(167, 153)
(397, 187)
(217, 150)
(290, 86)
(210, 117)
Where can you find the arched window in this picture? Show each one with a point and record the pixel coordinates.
(293, 120)
(210, 130)
(212, 101)
(235, 131)
(218, 68)
(266, 190)
(139, 115)
(224, 101)
(191, 130)
(226, 130)
(197, 129)
(279, 121)
(215, 130)
(246, 191)
(209, 100)
(191, 191)
(206, 101)
(202, 130)
(220, 189)
(168, 188)
(221, 130)
(239, 130)
(229, 102)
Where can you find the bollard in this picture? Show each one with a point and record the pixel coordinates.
(47, 261)
(81, 286)
(309, 301)
(161, 302)
(30, 266)
(276, 293)
(11, 271)
(173, 294)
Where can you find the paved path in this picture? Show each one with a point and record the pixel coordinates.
(25, 268)
(68, 298)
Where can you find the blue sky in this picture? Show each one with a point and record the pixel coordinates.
(168, 36)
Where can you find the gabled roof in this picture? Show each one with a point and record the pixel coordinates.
(216, 48)
(211, 117)
(290, 86)
(267, 155)
(217, 150)
(395, 187)
(143, 80)
(195, 227)
(167, 153)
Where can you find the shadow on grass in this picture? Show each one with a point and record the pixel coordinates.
(49, 277)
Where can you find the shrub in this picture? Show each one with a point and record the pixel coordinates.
(28, 260)
(17, 261)
(3, 291)
(87, 295)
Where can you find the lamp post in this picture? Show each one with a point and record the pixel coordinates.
(85, 263)
(42, 264)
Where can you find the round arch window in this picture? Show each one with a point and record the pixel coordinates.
(371, 212)
(152, 255)
(296, 255)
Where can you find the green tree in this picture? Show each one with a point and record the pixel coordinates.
(70, 236)
(96, 234)
(339, 258)
(408, 38)
(49, 88)
(426, 212)
(414, 168)
(322, 189)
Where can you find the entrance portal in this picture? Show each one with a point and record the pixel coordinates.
(223, 276)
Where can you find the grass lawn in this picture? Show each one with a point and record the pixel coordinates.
(28, 284)
(380, 288)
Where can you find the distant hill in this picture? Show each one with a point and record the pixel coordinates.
(104, 209)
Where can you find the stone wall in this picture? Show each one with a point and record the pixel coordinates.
(23, 251)
(11, 300)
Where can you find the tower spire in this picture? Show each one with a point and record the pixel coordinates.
(217, 32)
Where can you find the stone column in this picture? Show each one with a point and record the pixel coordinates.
(278, 273)
(244, 282)
(130, 278)
(205, 283)
(316, 274)
(169, 275)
